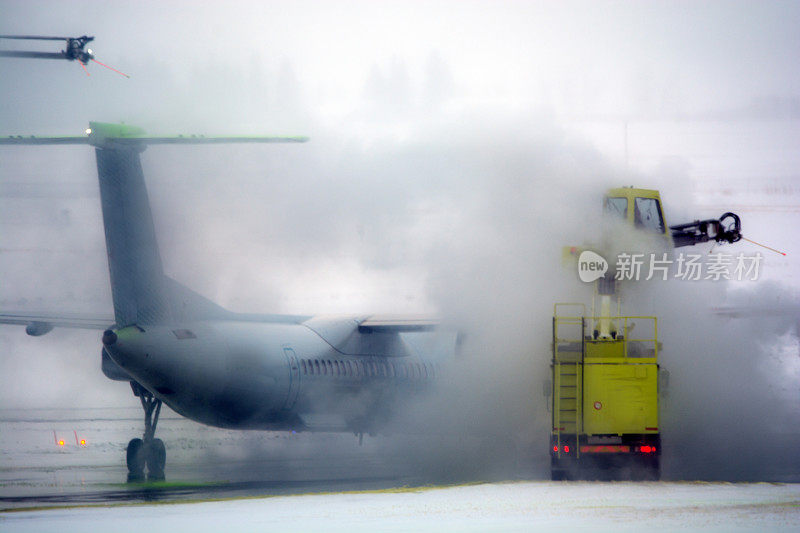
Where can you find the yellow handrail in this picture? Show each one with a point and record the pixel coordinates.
(569, 304)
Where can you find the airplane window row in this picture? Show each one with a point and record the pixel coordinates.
(387, 369)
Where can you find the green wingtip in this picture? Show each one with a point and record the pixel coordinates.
(106, 129)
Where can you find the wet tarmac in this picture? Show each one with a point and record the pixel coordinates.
(44, 464)
(76, 457)
(178, 492)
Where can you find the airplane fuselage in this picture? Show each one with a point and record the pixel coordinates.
(236, 374)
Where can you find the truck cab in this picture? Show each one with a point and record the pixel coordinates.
(640, 208)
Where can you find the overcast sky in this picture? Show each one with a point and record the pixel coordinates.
(258, 64)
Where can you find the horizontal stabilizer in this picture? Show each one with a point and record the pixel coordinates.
(19, 139)
(106, 135)
(201, 139)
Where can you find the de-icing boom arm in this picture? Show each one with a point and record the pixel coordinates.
(728, 228)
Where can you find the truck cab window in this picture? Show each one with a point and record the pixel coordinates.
(617, 207)
(647, 215)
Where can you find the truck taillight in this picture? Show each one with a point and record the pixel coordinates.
(566, 449)
(647, 449)
(555, 449)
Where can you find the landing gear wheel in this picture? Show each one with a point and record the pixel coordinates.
(135, 458)
(156, 460)
(148, 451)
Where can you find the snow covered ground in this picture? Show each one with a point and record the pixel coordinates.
(521, 506)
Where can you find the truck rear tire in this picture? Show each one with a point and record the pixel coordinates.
(564, 469)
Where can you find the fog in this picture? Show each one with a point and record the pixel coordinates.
(455, 148)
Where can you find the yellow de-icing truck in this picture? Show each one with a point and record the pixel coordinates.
(605, 396)
(604, 367)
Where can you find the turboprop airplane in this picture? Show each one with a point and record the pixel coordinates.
(218, 367)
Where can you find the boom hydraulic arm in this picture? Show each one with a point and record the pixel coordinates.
(727, 228)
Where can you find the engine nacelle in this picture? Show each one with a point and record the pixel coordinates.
(37, 329)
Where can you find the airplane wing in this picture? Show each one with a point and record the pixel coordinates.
(39, 324)
(755, 311)
(369, 335)
(786, 313)
(397, 324)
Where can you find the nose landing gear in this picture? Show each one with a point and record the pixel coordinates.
(148, 451)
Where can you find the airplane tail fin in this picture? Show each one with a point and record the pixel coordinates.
(134, 262)
(142, 294)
